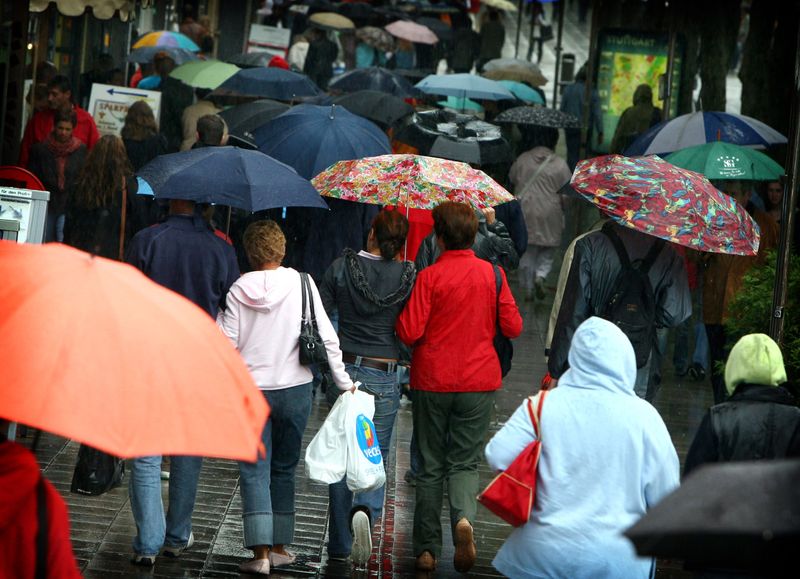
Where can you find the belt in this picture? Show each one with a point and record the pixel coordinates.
(368, 362)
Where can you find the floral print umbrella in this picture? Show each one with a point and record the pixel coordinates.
(660, 199)
(413, 181)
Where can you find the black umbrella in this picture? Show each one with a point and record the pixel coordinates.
(274, 83)
(379, 107)
(374, 78)
(251, 59)
(440, 28)
(739, 515)
(244, 119)
(538, 116)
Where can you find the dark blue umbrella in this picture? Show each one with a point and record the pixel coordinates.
(374, 78)
(311, 138)
(273, 83)
(249, 180)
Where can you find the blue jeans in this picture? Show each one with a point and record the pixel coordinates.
(267, 486)
(154, 531)
(385, 389)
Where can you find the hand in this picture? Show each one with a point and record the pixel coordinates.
(488, 212)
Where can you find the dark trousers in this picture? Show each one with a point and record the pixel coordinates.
(716, 353)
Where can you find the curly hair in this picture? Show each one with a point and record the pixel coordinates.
(106, 167)
(264, 242)
(140, 123)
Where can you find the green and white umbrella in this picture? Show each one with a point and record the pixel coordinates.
(720, 160)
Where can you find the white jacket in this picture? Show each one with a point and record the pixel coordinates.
(606, 459)
(262, 319)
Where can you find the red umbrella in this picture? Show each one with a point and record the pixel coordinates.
(660, 199)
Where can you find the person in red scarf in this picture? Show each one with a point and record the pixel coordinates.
(59, 98)
(56, 161)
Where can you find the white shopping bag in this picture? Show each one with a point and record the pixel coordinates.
(326, 454)
(364, 460)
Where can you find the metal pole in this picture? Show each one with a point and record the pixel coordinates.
(519, 27)
(787, 212)
(561, 10)
(588, 86)
(670, 64)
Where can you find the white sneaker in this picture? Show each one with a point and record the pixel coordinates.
(362, 538)
(171, 551)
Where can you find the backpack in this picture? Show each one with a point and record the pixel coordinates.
(632, 305)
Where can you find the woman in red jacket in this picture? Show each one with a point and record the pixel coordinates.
(450, 322)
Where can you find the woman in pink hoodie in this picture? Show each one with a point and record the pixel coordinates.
(262, 319)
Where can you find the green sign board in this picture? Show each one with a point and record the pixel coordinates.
(627, 59)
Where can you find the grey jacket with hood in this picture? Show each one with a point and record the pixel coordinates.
(369, 294)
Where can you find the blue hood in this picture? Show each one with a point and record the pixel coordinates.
(600, 358)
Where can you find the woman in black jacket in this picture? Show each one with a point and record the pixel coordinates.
(143, 142)
(760, 420)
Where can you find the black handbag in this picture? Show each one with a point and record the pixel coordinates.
(312, 348)
(502, 345)
(96, 471)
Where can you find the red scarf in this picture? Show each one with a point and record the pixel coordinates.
(61, 151)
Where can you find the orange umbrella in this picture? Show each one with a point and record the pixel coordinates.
(93, 350)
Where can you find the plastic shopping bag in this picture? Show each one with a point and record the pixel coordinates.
(364, 459)
(326, 454)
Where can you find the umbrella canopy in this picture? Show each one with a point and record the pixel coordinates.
(376, 37)
(523, 92)
(373, 78)
(244, 119)
(273, 83)
(251, 59)
(517, 73)
(379, 107)
(471, 150)
(331, 21)
(131, 367)
(500, 63)
(249, 180)
(504, 5)
(704, 127)
(440, 28)
(538, 117)
(460, 104)
(146, 54)
(464, 85)
(739, 515)
(167, 38)
(719, 160)
(413, 181)
(204, 73)
(662, 200)
(310, 138)
(412, 32)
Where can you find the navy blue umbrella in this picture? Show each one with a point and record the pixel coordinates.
(272, 83)
(374, 78)
(311, 138)
(249, 180)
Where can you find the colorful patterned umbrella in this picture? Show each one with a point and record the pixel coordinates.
(167, 38)
(147, 54)
(720, 160)
(413, 181)
(660, 199)
(376, 38)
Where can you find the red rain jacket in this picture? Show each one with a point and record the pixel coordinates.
(41, 124)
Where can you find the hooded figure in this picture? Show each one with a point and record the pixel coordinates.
(760, 420)
(606, 459)
(635, 120)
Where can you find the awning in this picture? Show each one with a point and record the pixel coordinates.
(102, 9)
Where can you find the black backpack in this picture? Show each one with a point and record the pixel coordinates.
(632, 305)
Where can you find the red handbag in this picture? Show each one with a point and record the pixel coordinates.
(511, 494)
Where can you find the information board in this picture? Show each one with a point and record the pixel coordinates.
(28, 208)
(269, 39)
(109, 104)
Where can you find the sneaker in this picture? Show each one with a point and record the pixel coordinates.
(281, 559)
(362, 538)
(426, 562)
(255, 567)
(175, 551)
(697, 372)
(466, 552)
(143, 560)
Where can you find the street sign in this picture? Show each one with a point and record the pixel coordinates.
(109, 104)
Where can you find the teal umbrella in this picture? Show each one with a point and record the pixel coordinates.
(460, 104)
(721, 160)
(523, 92)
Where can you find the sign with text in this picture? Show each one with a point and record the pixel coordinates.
(109, 104)
(269, 39)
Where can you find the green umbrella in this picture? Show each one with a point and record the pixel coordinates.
(522, 91)
(204, 73)
(460, 104)
(720, 160)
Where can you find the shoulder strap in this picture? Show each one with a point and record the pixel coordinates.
(622, 253)
(42, 530)
(498, 281)
(303, 291)
(307, 290)
(122, 218)
(536, 416)
(536, 173)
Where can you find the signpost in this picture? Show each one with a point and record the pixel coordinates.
(109, 104)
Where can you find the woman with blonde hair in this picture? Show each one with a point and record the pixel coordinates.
(262, 319)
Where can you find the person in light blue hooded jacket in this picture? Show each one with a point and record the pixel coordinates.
(606, 459)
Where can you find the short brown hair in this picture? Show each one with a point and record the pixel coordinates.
(455, 224)
(390, 229)
(67, 116)
(264, 242)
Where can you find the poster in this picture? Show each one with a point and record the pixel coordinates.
(626, 60)
(269, 39)
(109, 104)
(27, 207)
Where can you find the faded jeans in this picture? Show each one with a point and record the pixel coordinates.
(268, 485)
(385, 389)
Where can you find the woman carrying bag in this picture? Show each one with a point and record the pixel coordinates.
(263, 320)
